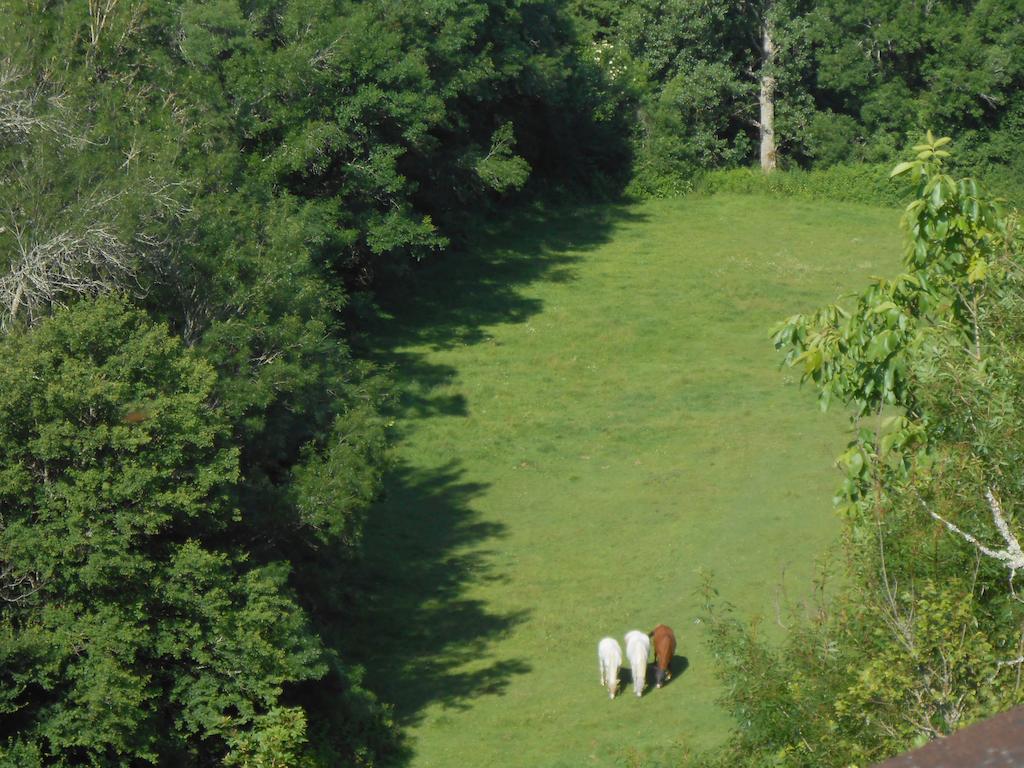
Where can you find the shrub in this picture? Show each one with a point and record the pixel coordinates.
(868, 184)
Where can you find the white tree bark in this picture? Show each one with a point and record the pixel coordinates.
(767, 97)
(74, 245)
(1011, 555)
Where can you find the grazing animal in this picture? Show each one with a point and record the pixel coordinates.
(609, 658)
(664, 649)
(638, 648)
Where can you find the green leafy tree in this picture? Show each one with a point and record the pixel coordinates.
(719, 80)
(924, 635)
(133, 629)
(76, 217)
(896, 67)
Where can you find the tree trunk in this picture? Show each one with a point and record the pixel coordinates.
(767, 99)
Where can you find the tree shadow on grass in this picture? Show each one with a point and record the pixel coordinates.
(416, 630)
(422, 640)
(453, 295)
(449, 300)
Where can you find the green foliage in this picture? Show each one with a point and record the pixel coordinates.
(684, 130)
(922, 684)
(133, 626)
(863, 357)
(858, 679)
(78, 216)
(700, 106)
(866, 184)
(924, 636)
(832, 139)
(275, 743)
(500, 169)
(854, 81)
(403, 115)
(248, 165)
(702, 64)
(898, 67)
(235, 170)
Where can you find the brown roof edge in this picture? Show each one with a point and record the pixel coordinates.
(997, 742)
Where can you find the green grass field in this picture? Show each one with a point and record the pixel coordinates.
(592, 413)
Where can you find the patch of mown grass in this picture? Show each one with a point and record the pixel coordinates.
(592, 413)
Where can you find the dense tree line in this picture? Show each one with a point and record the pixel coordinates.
(852, 81)
(192, 193)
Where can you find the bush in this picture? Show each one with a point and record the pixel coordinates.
(867, 184)
(832, 139)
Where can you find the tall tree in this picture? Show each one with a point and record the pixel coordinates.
(726, 83)
(766, 98)
(134, 630)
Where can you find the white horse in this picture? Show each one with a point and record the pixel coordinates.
(609, 658)
(638, 648)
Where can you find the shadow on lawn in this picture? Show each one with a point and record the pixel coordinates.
(451, 296)
(421, 639)
(677, 666)
(450, 299)
(422, 546)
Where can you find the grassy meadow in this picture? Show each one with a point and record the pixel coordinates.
(592, 414)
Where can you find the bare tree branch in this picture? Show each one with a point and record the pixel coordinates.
(14, 587)
(83, 253)
(19, 108)
(1011, 556)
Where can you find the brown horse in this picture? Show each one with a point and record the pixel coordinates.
(664, 642)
